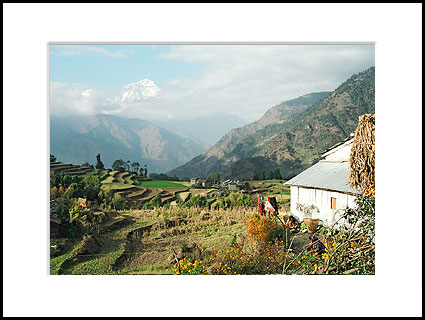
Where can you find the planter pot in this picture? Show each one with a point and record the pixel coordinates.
(311, 224)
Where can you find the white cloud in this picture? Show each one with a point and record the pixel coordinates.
(244, 80)
(249, 79)
(78, 99)
(72, 50)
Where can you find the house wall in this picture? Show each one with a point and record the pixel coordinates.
(322, 200)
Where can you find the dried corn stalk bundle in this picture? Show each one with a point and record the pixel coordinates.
(362, 157)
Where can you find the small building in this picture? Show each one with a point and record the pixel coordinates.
(226, 182)
(206, 183)
(325, 185)
(233, 187)
(194, 180)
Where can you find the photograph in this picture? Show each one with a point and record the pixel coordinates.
(211, 158)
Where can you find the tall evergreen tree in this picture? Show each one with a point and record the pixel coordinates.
(99, 163)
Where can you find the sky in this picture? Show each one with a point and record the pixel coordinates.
(197, 80)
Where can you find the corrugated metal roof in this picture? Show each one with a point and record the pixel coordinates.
(324, 175)
(350, 137)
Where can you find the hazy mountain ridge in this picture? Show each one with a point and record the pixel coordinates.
(206, 129)
(119, 138)
(295, 140)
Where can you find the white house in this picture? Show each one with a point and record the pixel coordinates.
(325, 185)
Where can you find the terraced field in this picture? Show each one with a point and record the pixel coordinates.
(58, 167)
(143, 241)
(103, 174)
(71, 169)
(110, 178)
(128, 178)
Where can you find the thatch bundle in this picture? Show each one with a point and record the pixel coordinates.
(362, 157)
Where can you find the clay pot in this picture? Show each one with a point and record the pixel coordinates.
(311, 224)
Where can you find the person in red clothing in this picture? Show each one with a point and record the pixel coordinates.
(315, 245)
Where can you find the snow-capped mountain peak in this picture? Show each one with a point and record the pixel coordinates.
(138, 91)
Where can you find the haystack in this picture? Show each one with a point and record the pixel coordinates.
(362, 157)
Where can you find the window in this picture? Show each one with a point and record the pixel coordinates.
(333, 203)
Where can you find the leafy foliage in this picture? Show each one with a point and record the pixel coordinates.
(119, 165)
(196, 201)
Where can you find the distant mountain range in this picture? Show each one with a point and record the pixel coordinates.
(207, 130)
(77, 140)
(290, 136)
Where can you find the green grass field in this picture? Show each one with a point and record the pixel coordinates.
(161, 184)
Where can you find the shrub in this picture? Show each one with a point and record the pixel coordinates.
(75, 212)
(155, 202)
(118, 202)
(69, 192)
(62, 212)
(248, 259)
(225, 203)
(263, 228)
(215, 205)
(196, 201)
(244, 200)
(233, 197)
(54, 192)
(349, 250)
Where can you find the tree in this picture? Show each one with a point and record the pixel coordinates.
(277, 174)
(118, 202)
(99, 163)
(67, 180)
(271, 175)
(135, 167)
(56, 179)
(91, 186)
(142, 172)
(86, 165)
(127, 165)
(259, 175)
(118, 165)
(146, 171)
(216, 177)
(52, 158)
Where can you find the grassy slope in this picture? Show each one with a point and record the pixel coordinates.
(152, 252)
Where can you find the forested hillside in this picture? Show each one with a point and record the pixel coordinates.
(300, 131)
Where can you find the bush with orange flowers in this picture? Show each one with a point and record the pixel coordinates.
(263, 228)
(268, 258)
